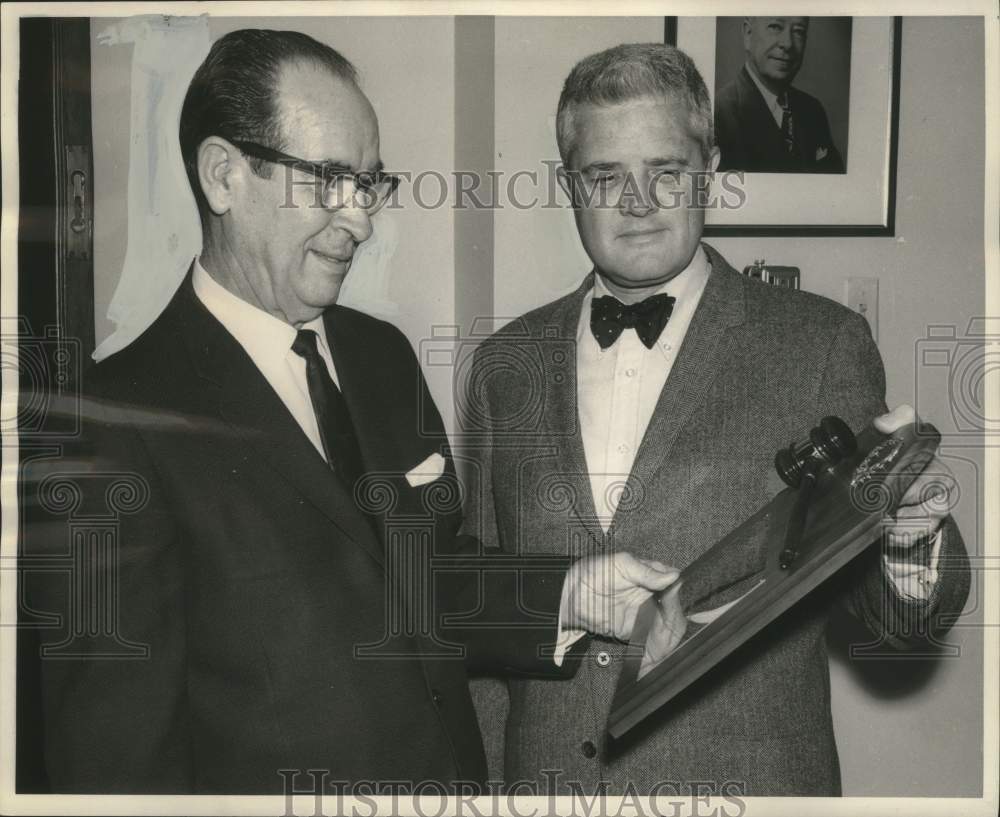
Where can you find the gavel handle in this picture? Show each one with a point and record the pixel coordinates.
(797, 518)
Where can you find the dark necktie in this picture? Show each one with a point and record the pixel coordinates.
(609, 317)
(787, 126)
(335, 428)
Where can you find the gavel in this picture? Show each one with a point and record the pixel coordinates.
(800, 465)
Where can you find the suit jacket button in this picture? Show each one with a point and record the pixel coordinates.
(603, 659)
(588, 749)
(436, 696)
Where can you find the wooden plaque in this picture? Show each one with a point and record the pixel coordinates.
(744, 568)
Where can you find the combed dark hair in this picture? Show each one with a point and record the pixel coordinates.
(628, 72)
(232, 94)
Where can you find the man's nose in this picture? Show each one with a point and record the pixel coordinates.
(637, 199)
(355, 219)
(785, 39)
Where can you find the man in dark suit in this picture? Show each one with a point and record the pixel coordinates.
(284, 501)
(658, 436)
(762, 123)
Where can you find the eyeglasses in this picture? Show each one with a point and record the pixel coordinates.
(369, 191)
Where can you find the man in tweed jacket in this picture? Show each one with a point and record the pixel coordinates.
(653, 428)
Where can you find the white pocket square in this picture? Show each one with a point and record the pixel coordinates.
(428, 471)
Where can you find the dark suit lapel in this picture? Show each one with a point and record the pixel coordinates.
(383, 409)
(248, 403)
(356, 376)
(758, 119)
(707, 345)
(561, 401)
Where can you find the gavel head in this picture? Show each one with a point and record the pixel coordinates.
(828, 444)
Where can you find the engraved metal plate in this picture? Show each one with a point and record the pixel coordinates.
(878, 462)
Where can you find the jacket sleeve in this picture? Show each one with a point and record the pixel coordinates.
(853, 387)
(503, 607)
(113, 667)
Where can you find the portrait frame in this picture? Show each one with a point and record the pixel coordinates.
(809, 204)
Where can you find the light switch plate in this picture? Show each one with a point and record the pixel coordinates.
(862, 297)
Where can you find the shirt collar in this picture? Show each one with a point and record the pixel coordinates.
(686, 286)
(265, 338)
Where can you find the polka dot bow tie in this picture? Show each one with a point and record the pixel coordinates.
(609, 317)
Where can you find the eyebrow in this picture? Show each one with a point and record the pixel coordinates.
(668, 160)
(337, 164)
(600, 166)
(657, 161)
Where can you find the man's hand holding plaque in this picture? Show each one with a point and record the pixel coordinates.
(603, 593)
(928, 500)
(913, 536)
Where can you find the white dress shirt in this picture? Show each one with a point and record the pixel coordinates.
(268, 341)
(618, 387)
(617, 391)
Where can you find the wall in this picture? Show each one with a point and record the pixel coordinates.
(925, 738)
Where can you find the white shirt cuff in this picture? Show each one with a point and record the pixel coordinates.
(913, 580)
(564, 638)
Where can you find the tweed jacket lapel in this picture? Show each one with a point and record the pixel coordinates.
(707, 345)
(563, 419)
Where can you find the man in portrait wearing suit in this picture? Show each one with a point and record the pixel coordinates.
(762, 123)
(286, 482)
(659, 437)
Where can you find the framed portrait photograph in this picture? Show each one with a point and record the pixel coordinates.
(806, 109)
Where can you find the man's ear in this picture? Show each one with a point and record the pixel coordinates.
(215, 173)
(566, 183)
(747, 25)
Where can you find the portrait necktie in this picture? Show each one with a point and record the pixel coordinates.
(609, 317)
(336, 430)
(787, 126)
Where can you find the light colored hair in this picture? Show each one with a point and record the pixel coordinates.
(628, 72)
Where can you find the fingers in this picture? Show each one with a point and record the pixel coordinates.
(647, 574)
(667, 632)
(604, 593)
(672, 622)
(904, 538)
(914, 523)
(928, 500)
(897, 418)
(622, 630)
(933, 488)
